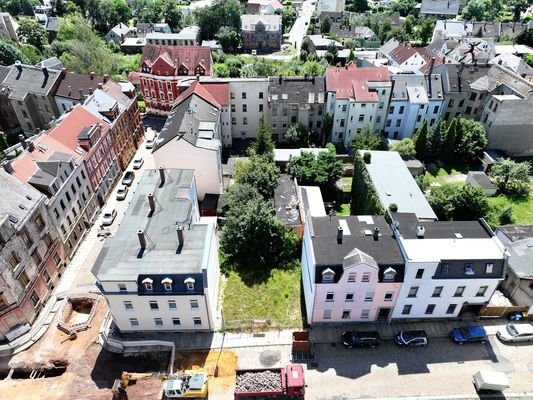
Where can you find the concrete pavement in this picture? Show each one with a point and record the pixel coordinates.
(299, 29)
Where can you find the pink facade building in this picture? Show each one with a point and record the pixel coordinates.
(352, 269)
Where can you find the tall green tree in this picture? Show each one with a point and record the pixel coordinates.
(32, 32)
(471, 140)
(436, 140)
(404, 7)
(259, 172)
(322, 170)
(297, 136)
(263, 145)
(459, 203)
(405, 147)
(425, 29)
(221, 13)
(325, 25)
(512, 177)
(360, 6)
(367, 139)
(229, 39)
(9, 54)
(448, 146)
(420, 141)
(171, 14)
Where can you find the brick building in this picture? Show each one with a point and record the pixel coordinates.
(261, 33)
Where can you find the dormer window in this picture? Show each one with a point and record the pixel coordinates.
(148, 284)
(328, 275)
(389, 275)
(189, 282)
(167, 284)
(200, 70)
(469, 270)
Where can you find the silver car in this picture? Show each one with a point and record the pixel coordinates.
(109, 217)
(516, 333)
(122, 192)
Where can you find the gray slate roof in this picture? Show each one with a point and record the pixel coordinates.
(286, 201)
(47, 170)
(521, 258)
(297, 89)
(20, 202)
(517, 232)
(482, 179)
(121, 258)
(30, 79)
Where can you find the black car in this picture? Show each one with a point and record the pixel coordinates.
(411, 338)
(360, 339)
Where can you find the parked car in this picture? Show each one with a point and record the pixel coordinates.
(109, 217)
(122, 192)
(138, 163)
(360, 339)
(516, 333)
(490, 381)
(149, 144)
(469, 334)
(411, 338)
(129, 176)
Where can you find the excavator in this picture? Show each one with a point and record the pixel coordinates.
(188, 384)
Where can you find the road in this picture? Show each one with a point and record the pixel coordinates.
(299, 29)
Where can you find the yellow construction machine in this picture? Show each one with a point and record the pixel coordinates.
(120, 385)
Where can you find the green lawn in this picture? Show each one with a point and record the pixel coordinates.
(522, 209)
(446, 176)
(344, 211)
(277, 300)
(347, 184)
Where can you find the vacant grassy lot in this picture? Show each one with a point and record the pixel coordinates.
(347, 184)
(276, 300)
(522, 209)
(446, 176)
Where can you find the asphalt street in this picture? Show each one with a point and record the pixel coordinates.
(299, 29)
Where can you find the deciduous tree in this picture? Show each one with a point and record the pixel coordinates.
(258, 172)
(511, 177)
(32, 32)
(420, 139)
(325, 25)
(405, 147)
(9, 54)
(229, 39)
(367, 139)
(322, 170)
(459, 203)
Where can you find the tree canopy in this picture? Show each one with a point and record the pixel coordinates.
(32, 32)
(405, 147)
(511, 177)
(259, 172)
(263, 145)
(458, 203)
(325, 24)
(367, 139)
(9, 53)
(420, 140)
(481, 10)
(221, 13)
(322, 170)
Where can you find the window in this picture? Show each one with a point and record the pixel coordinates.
(122, 287)
(158, 322)
(134, 322)
(26, 239)
(3, 303)
(197, 321)
(274, 111)
(330, 296)
(260, 108)
(23, 279)
(444, 268)
(67, 195)
(450, 103)
(351, 277)
(232, 95)
(349, 297)
(413, 291)
(481, 291)
(34, 298)
(488, 268)
(346, 314)
(468, 110)
(473, 96)
(327, 314)
(378, 119)
(380, 105)
(418, 118)
(46, 276)
(189, 282)
(459, 291)
(388, 123)
(451, 309)
(154, 306)
(361, 117)
(430, 308)
(148, 285)
(194, 305)
(233, 108)
(419, 273)
(260, 95)
(469, 269)
(391, 110)
(389, 275)
(461, 103)
(344, 108)
(69, 220)
(57, 259)
(172, 305)
(39, 223)
(407, 309)
(437, 291)
(432, 121)
(47, 240)
(342, 123)
(244, 108)
(128, 306)
(369, 296)
(402, 108)
(245, 121)
(56, 213)
(243, 95)
(233, 121)
(36, 257)
(14, 260)
(366, 277)
(389, 296)
(398, 122)
(328, 276)
(167, 285)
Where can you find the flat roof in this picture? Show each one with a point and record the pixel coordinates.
(395, 184)
(122, 259)
(521, 258)
(286, 201)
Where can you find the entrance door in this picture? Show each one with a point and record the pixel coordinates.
(383, 314)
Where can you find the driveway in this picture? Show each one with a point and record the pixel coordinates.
(299, 29)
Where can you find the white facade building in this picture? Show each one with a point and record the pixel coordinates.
(248, 102)
(330, 6)
(451, 268)
(160, 271)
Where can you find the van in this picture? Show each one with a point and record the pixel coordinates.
(490, 381)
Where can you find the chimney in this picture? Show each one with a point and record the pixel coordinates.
(19, 66)
(45, 72)
(22, 140)
(162, 174)
(106, 78)
(30, 145)
(90, 90)
(197, 77)
(280, 79)
(142, 239)
(375, 233)
(100, 85)
(339, 234)
(8, 167)
(151, 201)
(92, 75)
(420, 230)
(63, 72)
(81, 93)
(179, 231)
(431, 64)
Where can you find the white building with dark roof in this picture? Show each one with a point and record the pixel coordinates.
(160, 271)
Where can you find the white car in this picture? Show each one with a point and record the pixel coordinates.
(109, 217)
(149, 144)
(516, 333)
(138, 163)
(122, 192)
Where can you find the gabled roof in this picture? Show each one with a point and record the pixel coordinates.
(441, 7)
(497, 76)
(403, 52)
(352, 82)
(26, 78)
(190, 56)
(514, 63)
(20, 203)
(272, 23)
(71, 84)
(482, 179)
(120, 29)
(219, 91)
(71, 125)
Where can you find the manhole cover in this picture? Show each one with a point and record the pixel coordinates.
(269, 357)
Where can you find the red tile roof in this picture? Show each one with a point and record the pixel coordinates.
(403, 52)
(427, 56)
(134, 78)
(175, 56)
(198, 89)
(70, 126)
(24, 165)
(352, 82)
(220, 91)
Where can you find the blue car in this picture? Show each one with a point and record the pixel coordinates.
(468, 334)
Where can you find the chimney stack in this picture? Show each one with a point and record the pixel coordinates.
(8, 167)
(420, 231)
(339, 235)
(90, 90)
(18, 64)
(81, 93)
(22, 140)
(100, 85)
(151, 201)
(142, 238)
(375, 233)
(92, 75)
(179, 231)
(162, 174)
(45, 72)
(30, 145)
(106, 78)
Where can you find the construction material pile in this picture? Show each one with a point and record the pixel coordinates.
(258, 381)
